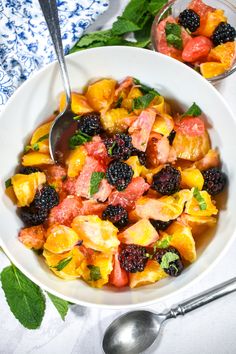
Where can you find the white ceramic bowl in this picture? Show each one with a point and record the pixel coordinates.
(37, 99)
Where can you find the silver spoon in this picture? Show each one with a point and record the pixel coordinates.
(136, 331)
(64, 126)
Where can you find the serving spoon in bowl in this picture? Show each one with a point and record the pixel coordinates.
(64, 126)
(136, 331)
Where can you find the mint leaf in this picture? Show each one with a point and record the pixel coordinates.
(8, 183)
(35, 147)
(123, 25)
(95, 182)
(27, 148)
(110, 150)
(144, 101)
(88, 39)
(164, 242)
(78, 138)
(25, 299)
(95, 273)
(118, 102)
(193, 111)
(201, 201)
(61, 305)
(135, 11)
(173, 35)
(155, 6)
(167, 259)
(63, 263)
(145, 88)
(44, 137)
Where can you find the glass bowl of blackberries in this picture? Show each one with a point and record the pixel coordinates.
(199, 33)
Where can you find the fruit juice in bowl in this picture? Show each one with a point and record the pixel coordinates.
(200, 34)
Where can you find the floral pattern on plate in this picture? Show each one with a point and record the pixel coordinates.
(25, 43)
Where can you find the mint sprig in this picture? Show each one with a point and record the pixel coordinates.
(61, 305)
(167, 259)
(193, 111)
(201, 201)
(143, 101)
(144, 88)
(95, 181)
(25, 299)
(8, 183)
(63, 263)
(95, 273)
(173, 35)
(78, 138)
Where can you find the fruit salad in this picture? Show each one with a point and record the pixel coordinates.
(135, 190)
(200, 37)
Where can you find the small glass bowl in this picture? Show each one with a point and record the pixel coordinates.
(175, 7)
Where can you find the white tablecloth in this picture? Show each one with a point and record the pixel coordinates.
(208, 330)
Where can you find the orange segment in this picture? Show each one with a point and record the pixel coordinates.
(192, 177)
(163, 124)
(212, 20)
(182, 240)
(198, 224)
(72, 261)
(212, 69)
(151, 274)
(25, 186)
(141, 233)
(100, 94)
(193, 208)
(36, 158)
(224, 53)
(96, 270)
(114, 120)
(100, 235)
(60, 239)
(76, 161)
(79, 104)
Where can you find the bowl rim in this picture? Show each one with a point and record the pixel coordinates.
(158, 298)
(157, 19)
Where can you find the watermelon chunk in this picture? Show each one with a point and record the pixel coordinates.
(66, 211)
(97, 149)
(161, 42)
(128, 197)
(82, 185)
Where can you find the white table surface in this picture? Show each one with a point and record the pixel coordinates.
(209, 330)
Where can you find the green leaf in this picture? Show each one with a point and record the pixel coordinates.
(8, 183)
(201, 201)
(165, 242)
(44, 137)
(62, 264)
(118, 102)
(135, 11)
(95, 182)
(77, 117)
(145, 32)
(167, 258)
(78, 138)
(27, 148)
(110, 150)
(123, 25)
(145, 88)
(35, 147)
(173, 35)
(95, 273)
(88, 39)
(155, 6)
(144, 101)
(193, 111)
(61, 305)
(24, 298)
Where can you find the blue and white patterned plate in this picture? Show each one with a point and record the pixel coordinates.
(25, 43)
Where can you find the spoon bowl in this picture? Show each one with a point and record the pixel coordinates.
(133, 332)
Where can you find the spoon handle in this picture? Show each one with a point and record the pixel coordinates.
(203, 298)
(49, 9)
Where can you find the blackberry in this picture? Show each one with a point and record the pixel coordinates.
(27, 170)
(141, 156)
(171, 267)
(223, 33)
(46, 198)
(119, 146)
(161, 225)
(90, 123)
(133, 258)
(119, 174)
(189, 19)
(214, 180)
(32, 216)
(167, 181)
(171, 136)
(116, 214)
